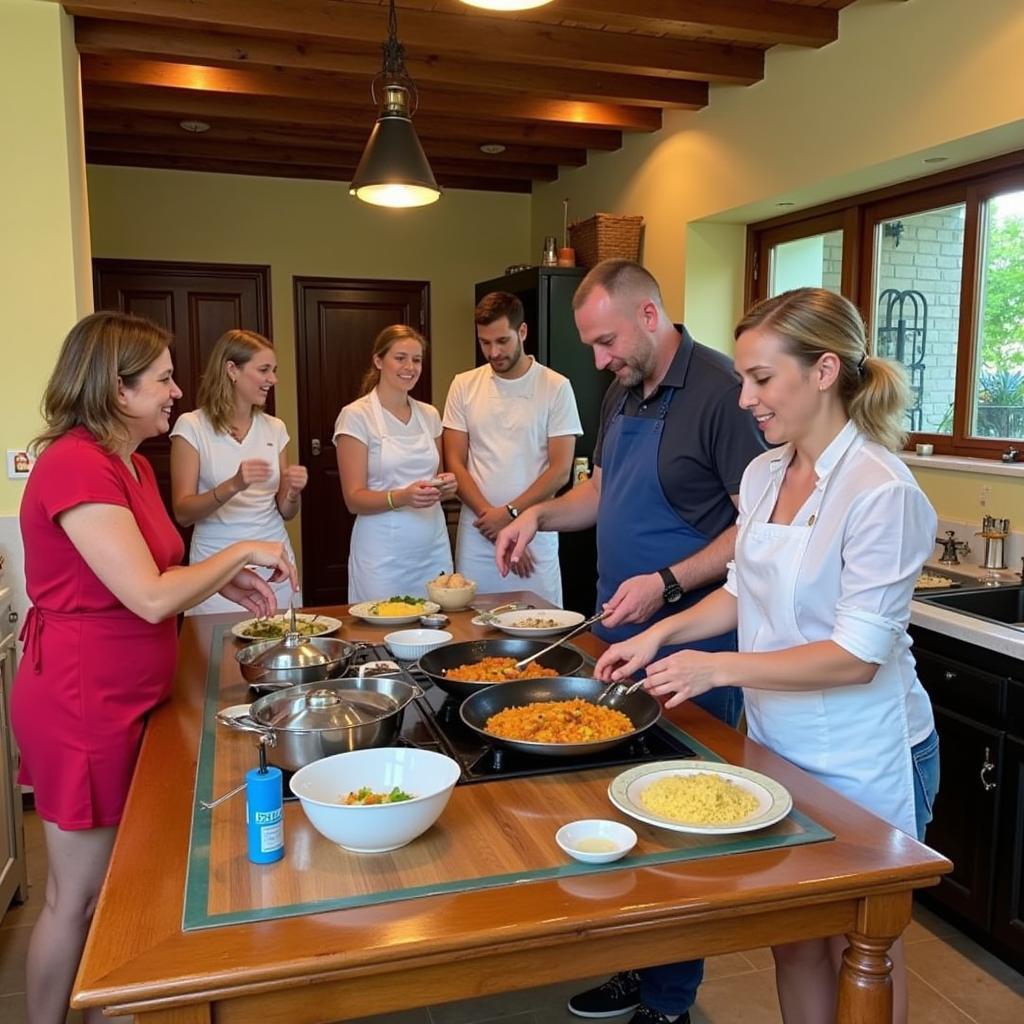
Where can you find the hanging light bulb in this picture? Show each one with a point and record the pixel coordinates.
(394, 170)
(507, 5)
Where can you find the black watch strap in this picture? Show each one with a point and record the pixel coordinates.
(673, 591)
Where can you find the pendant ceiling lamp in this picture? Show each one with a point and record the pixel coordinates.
(394, 170)
(507, 5)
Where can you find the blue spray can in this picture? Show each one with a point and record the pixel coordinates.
(264, 816)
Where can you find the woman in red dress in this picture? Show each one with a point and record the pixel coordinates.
(103, 573)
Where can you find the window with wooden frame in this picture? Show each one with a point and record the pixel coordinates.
(936, 267)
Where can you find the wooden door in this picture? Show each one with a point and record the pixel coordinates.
(336, 321)
(197, 303)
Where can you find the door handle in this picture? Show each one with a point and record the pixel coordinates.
(986, 767)
(315, 445)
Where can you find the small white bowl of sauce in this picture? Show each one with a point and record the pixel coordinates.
(596, 840)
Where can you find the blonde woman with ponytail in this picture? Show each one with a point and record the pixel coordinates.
(833, 531)
(389, 463)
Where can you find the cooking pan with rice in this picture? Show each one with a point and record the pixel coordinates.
(640, 708)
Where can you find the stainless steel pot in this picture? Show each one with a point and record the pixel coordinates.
(301, 724)
(294, 660)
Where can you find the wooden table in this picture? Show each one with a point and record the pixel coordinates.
(393, 956)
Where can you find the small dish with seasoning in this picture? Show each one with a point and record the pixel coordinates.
(596, 840)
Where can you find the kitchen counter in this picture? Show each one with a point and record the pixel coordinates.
(375, 959)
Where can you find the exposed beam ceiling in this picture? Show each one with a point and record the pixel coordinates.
(285, 84)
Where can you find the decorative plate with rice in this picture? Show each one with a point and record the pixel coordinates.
(702, 797)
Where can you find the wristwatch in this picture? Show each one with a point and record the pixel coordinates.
(512, 511)
(672, 592)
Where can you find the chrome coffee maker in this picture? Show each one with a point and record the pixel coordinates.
(994, 531)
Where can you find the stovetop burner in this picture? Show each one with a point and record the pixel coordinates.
(432, 722)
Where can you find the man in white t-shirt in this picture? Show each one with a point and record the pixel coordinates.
(510, 429)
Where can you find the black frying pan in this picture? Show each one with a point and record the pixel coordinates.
(564, 660)
(640, 707)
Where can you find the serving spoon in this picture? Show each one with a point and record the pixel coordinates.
(585, 624)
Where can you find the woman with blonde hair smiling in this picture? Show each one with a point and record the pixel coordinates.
(833, 531)
(389, 460)
(230, 476)
(103, 572)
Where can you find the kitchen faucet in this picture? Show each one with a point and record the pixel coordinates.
(951, 547)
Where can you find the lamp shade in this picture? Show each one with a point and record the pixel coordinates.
(394, 170)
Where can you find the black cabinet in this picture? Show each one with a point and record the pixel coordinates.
(978, 699)
(546, 294)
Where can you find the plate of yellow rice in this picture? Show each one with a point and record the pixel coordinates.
(703, 797)
(393, 611)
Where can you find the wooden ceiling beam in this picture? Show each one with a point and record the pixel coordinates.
(764, 22)
(465, 35)
(204, 106)
(270, 170)
(168, 43)
(274, 134)
(324, 88)
(345, 159)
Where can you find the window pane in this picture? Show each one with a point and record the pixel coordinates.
(998, 402)
(918, 264)
(812, 262)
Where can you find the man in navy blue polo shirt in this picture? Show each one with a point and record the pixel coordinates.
(672, 446)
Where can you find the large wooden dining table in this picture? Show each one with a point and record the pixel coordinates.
(365, 960)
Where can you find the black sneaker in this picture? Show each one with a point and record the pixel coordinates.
(648, 1015)
(618, 995)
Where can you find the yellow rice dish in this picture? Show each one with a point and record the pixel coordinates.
(565, 721)
(395, 606)
(700, 799)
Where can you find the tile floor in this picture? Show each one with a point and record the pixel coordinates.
(953, 980)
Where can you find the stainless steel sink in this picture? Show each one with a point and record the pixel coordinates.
(1004, 605)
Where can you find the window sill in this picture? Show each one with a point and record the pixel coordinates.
(960, 464)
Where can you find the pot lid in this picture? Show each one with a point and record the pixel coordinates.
(325, 708)
(291, 652)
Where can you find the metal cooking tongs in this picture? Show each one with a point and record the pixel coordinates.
(585, 624)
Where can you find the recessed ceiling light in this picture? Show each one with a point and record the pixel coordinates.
(196, 127)
(492, 148)
(506, 5)
(785, 204)
(935, 159)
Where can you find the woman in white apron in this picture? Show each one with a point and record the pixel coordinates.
(389, 457)
(833, 531)
(230, 476)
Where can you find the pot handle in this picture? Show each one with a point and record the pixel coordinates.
(246, 723)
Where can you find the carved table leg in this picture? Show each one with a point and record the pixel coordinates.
(865, 978)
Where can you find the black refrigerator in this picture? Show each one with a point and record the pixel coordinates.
(546, 294)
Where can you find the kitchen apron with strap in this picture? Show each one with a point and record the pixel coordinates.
(204, 547)
(503, 416)
(397, 552)
(638, 531)
(855, 739)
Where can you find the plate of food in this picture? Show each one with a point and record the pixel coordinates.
(276, 626)
(934, 581)
(702, 797)
(394, 611)
(536, 622)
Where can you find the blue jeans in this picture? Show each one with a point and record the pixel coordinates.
(925, 758)
(672, 988)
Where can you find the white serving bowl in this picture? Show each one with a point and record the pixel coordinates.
(574, 837)
(375, 828)
(451, 599)
(410, 644)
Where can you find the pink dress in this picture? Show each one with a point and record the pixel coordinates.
(91, 669)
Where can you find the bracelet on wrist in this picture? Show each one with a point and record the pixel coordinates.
(391, 502)
(216, 497)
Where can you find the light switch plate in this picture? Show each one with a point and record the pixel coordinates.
(19, 464)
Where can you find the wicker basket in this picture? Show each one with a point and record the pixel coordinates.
(606, 236)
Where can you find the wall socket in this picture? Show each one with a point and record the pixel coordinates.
(19, 464)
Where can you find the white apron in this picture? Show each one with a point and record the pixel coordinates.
(502, 471)
(203, 548)
(397, 552)
(855, 739)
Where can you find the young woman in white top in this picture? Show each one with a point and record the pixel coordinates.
(230, 476)
(833, 531)
(389, 460)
